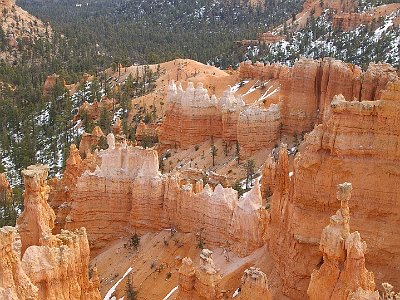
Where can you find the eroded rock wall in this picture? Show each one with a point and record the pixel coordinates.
(258, 128)
(193, 116)
(308, 87)
(128, 194)
(343, 271)
(358, 143)
(52, 266)
(14, 283)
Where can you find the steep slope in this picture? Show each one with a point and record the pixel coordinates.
(354, 32)
(20, 32)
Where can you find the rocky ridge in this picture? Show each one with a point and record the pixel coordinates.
(144, 200)
(52, 266)
(355, 142)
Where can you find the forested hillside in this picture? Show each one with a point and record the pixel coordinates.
(158, 30)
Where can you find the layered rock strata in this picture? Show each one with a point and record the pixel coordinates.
(308, 88)
(128, 194)
(343, 271)
(357, 142)
(258, 128)
(193, 117)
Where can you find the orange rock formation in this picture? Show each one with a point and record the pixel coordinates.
(89, 140)
(308, 88)
(356, 142)
(14, 283)
(53, 266)
(50, 82)
(37, 220)
(193, 117)
(343, 271)
(93, 110)
(63, 189)
(254, 285)
(143, 200)
(202, 283)
(5, 189)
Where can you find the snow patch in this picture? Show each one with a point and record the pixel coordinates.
(112, 290)
(171, 292)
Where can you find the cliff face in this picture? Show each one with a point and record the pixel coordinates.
(343, 271)
(193, 116)
(127, 193)
(62, 190)
(308, 88)
(356, 143)
(52, 266)
(223, 218)
(257, 124)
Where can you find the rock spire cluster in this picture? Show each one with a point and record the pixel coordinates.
(35, 264)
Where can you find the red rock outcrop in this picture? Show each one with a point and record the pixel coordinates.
(254, 285)
(270, 37)
(260, 125)
(343, 271)
(188, 120)
(61, 271)
(349, 21)
(223, 217)
(357, 142)
(14, 283)
(63, 189)
(202, 283)
(308, 88)
(5, 189)
(37, 220)
(89, 140)
(260, 70)
(144, 130)
(93, 110)
(50, 83)
(53, 266)
(193, 117)
(144, 200)
(117, 127)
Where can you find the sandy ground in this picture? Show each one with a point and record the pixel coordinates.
(155, 264)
